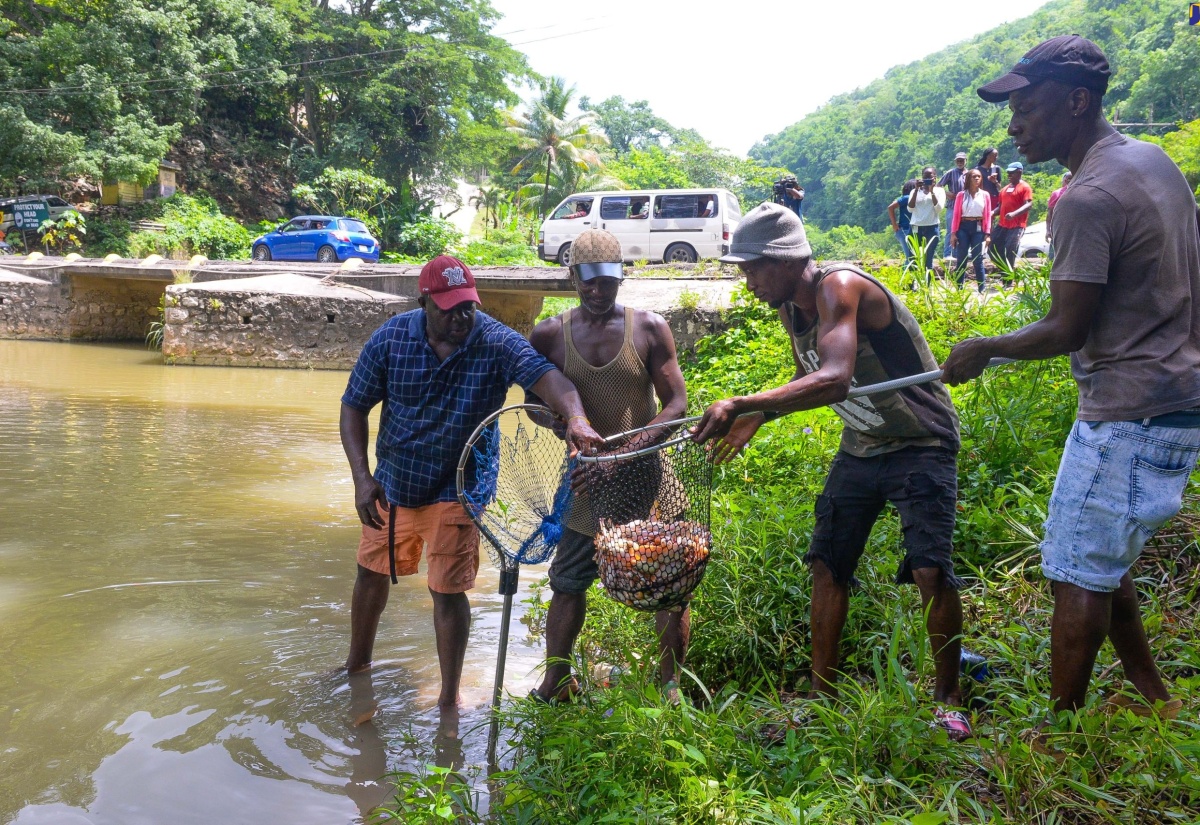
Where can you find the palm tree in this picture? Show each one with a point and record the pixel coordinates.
(568, 181)
(546, 130)
(488, 198)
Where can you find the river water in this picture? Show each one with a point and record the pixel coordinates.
(176, 560)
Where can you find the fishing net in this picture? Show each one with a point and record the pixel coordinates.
(513, 480)
(654, 536)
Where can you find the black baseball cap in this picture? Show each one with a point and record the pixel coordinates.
(1067, 59)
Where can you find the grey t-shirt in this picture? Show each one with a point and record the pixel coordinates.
(1128, 221)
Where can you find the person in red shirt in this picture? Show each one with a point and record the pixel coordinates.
(1013, 213)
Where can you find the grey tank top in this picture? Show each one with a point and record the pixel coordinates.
(918, 416)
(617, 396)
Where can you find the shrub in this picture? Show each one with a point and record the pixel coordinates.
(109, 236)
(427, 238)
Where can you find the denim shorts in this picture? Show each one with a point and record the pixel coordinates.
(1119, 481)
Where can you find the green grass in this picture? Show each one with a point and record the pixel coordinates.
(556, 306)
(624, 755)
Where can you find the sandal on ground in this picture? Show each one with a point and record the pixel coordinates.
(1141, 708)
(954, 722)
(567, 693)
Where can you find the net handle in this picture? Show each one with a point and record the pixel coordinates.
(857, 392)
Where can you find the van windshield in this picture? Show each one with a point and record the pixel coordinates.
(572, 209)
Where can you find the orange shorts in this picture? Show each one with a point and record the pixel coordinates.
(443, 527)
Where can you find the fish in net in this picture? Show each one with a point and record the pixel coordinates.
(653, 507)
(514, 483)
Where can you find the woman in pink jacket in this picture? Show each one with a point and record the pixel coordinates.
(971, 226)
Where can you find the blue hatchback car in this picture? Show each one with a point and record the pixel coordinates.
(317, 238)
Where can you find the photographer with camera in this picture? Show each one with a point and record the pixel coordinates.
(789, 194)
(927, 202)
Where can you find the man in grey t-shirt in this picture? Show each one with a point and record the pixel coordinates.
(1125, 302)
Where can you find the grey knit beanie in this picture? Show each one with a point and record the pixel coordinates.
(768, 231)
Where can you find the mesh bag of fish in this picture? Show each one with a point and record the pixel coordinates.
(654, 537)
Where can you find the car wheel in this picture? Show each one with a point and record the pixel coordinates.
(327, 255)
(564, 255)
(262, 253)
(679, 253)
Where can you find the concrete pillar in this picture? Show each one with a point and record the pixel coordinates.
(514, 309)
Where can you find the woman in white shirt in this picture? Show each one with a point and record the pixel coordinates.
(971, 226)
(926, 203)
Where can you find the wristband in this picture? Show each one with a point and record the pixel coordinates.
(584, 417)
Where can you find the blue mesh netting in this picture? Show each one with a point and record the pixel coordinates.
(520, 490)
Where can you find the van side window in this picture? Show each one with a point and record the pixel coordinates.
(614, 209)
(732, 207)
(684, 206)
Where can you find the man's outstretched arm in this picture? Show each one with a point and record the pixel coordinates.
(837, 343)
(1064, 329)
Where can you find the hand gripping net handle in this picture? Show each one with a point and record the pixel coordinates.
(857, 392)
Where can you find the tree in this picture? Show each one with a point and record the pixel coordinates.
(1184, 148)
(629, 126)
(1169, 86)
(488, 198)
(345, 192)
(102, 89)
(853, 154)
(564, 142)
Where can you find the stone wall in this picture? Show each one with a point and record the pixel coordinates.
(32, 308)
(223, 325)
(690, 325)
(107, 309)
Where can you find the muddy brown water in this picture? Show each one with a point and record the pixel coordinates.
(176, 559)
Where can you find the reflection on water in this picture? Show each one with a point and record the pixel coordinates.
(176, 560)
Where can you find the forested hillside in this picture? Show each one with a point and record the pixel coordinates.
(251, 96)
(853, 154)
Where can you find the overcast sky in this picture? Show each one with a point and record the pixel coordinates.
(737, 71)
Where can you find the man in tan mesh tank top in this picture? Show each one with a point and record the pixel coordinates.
(619, 358)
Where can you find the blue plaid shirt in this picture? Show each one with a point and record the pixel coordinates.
(431, 407)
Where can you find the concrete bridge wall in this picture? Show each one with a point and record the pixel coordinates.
(280, 314)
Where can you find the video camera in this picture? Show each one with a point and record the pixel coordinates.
(780, 187)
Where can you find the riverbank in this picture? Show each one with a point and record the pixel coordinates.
(745, 748)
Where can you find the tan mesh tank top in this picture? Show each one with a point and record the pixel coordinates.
(618, 396)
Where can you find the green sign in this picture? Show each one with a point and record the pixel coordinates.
(29, 215)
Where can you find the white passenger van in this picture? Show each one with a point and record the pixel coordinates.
(670, 225)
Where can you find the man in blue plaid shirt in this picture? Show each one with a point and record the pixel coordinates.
(439, 371)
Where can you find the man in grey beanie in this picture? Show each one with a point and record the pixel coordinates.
(901, 447)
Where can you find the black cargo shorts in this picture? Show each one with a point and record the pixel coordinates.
(922, 484)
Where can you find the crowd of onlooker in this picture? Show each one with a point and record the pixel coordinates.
(968, 213)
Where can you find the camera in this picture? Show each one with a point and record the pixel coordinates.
(780, 187)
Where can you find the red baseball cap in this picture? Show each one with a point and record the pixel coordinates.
(448, 281)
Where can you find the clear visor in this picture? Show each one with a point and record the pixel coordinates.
(607, 269)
